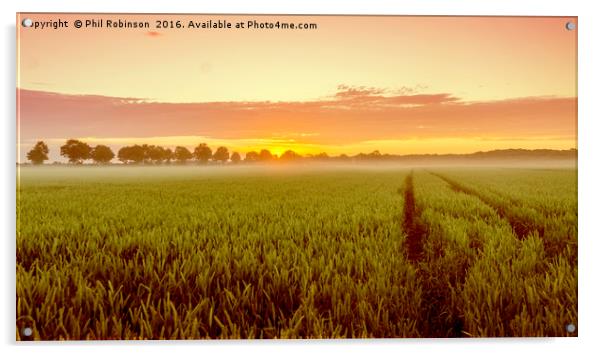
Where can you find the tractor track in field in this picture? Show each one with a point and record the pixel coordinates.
(411, 225)
(520, 227)
(434, 321)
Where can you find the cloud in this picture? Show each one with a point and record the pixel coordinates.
(351, 115)
(377, 97)
(345, 91)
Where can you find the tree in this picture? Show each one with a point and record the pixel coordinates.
(375, 154)
(123, 154)
(202, 153)
(290, 155)
(221, 154)
(361, 156)
(182, 154)
(167, 155)
(344, 157)
(235, 157)
(38, 154)
(154, 154)
(265, 155)
(252, 156)
(321, 157)
(102, 154)
(76, 151)
(131, 154)
(146, 149)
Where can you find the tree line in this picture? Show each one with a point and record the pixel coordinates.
(77, 152)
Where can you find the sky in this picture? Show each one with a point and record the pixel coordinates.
(400, 85)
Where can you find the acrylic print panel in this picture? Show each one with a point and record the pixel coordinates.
(224, 176)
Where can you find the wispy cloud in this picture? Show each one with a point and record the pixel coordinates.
(378, 97)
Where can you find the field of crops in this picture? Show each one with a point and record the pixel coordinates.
(176, 252)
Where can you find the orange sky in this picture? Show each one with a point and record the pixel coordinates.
(398, 84)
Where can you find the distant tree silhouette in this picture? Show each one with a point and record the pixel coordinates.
(375, 154)
(76, 151)
(123, 154)
(167, 155)
(290, 155)
(153, 154)
(182, 154)
(235, 157)
(102, 154)
(137, 153)
(322, 156)
(38, 154)
(252, 156)
(131, 154)
(221, 154)
(361, 156)
(265, 155)
(202, 153)
(146, 149)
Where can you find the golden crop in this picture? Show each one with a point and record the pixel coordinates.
(262, 252)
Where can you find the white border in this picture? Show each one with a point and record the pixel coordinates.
(589, 169)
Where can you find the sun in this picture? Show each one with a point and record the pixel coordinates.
(278, 150)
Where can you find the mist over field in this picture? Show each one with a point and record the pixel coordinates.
(144, 172)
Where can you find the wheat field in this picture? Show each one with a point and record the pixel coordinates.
(191, 252)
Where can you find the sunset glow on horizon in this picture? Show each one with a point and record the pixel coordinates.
(400, 85)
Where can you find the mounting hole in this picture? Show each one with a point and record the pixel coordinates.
(571, 328)
(27, 22)
(27, 331)
(570, 25)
